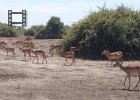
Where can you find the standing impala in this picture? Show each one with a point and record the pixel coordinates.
(130, 70)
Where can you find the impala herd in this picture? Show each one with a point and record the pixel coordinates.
(28, 49)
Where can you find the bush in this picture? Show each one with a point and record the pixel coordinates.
(110, 29)
(7, 32)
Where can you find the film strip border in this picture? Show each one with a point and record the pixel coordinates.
(10, 22)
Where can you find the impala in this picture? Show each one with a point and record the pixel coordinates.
(18, 43)
(9, 50)
(26, 51)
(69, 54)
(39, 52)
(53, 47)
(130, 70)
(113, 56)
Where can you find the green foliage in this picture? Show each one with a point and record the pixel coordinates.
(53, 29)
(6, 31)
(110, 29)
(34, 30)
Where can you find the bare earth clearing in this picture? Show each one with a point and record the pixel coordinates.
(86, 80)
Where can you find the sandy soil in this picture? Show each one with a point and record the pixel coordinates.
(86, 80)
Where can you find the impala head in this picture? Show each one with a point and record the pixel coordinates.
(105, 52)
(118, 63)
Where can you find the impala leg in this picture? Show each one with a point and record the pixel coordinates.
(137, 83)
(73, 61)
(111, 63)
(33, 59)
(43, 60)
(7, 55)
(30, 56)
(65, 61)
(46, 60)
(52, 53)
(13, 55)
(107, 63)
(24, 56)
(125, 81)
(37, 59)
(129, 83)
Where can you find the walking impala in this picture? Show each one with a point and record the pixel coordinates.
(130, 70)
(69, 54)
(9, 50)
(39, 52)
(25, 52)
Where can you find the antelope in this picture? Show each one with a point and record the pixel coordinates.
(39, 52)
(130, 70)
(24, 44)
(9, 50)
(26, 51)
(52, 47)
(18, 43)
(69, 54)
(113, 56)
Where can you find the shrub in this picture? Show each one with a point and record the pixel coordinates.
(110, 29)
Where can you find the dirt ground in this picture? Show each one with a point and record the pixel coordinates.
(86, 80)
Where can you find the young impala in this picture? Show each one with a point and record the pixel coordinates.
(130, 70)
(113, 56)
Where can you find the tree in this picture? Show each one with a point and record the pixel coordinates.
(111, 29)
(34, 30)
(55, 28)
(7, 31)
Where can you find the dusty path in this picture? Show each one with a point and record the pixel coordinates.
(87, 80)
